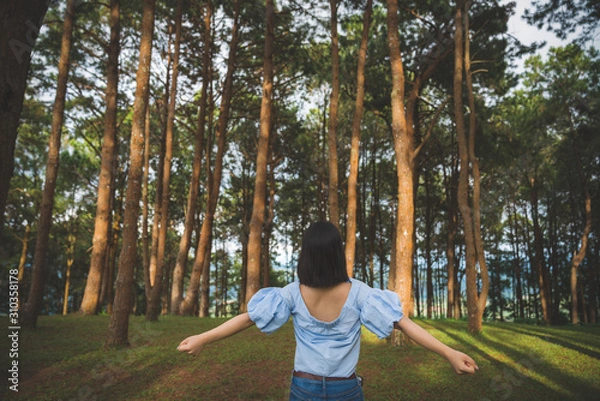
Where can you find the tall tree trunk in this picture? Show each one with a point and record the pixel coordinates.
(217, 293)
(392, 274)
(107, 294)
(202, 308)
(554, 262)
(362, 211)
(71, 240)
(118, 327)
(38, 277)
(592, 278)
(260, 183)
(245, 230)
(91, 295)
(373, 213)
(481, 299)
(199, 268)
(205, 283)
(403, 148)
(513, 223)
(224, 282)
(322, 201)
(186, 238)
(428, 259)
(23, 258)
(539, 260)
(20, 23)
(453, 306)
(266, 263)
(463, 180)
(530, 288)
(154, 292)
(334, 214)
(470, 215)
(149, 270)
(146, 234)
(580, 254)
(355, 146)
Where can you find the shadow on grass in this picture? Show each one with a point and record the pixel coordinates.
(526, 375)
(553, 339)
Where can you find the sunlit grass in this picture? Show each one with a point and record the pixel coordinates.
(65, 359)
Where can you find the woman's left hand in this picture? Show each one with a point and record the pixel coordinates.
(192, 345)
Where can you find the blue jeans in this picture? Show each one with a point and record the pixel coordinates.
(332, 390)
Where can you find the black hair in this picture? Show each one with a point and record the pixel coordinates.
(322, 262)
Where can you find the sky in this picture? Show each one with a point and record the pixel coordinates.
(528, 34)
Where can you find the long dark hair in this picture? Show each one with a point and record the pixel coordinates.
(322, 262)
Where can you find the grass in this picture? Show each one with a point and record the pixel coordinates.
(64, 359)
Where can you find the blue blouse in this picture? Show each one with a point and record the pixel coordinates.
(327, 348)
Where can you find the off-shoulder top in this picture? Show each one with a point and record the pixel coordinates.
(328, 349)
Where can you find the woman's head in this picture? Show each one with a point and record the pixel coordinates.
(322, 262)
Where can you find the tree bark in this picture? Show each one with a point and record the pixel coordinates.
(23, 258)
(470, 215)
(146, 234)
(483, 269)
(452, 307)
(513, 224)
(580, 254)
(463, 180)
(71, 239)
(107, 293)
(355, 144)
(154, 292)
(334, 214)
(118, 327)
(539, 261)
(20, 23)
(205, 283)
(260, 183)
(592, 277)
(149, 270)
(38, 278)
(270, 213)
(428, 259)
(403, 147)
(186, 238)
(91, 295)
(199, 269)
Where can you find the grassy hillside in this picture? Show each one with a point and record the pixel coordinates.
(64, 359)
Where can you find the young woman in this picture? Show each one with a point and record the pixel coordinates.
(328, 310)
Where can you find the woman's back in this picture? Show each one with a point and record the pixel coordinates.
(325, 304)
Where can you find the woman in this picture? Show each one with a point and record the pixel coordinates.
(328, 309)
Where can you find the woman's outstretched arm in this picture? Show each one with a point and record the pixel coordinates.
(461, 363)
(194, 344)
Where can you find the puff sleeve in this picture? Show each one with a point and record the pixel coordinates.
(268, 309)
(380, 311)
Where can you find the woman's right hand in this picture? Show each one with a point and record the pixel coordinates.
(462, 363)
(192, 345)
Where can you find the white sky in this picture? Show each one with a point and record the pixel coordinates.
(528, 34)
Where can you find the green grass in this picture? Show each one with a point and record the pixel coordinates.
(64, 359)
